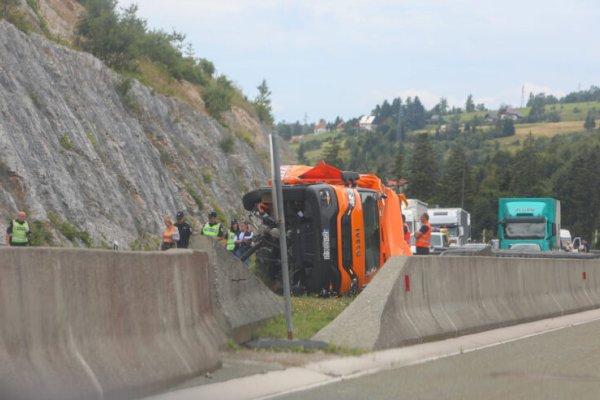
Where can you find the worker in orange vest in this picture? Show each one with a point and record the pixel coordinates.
(406, 230)
(423, 235)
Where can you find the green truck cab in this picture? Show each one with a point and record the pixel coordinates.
(529, 220)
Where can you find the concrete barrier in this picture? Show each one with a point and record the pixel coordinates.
(416, 299)
(92, 324)
(241, 302)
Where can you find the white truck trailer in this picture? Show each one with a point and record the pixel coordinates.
(456, 220)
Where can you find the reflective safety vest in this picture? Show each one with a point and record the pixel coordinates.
(19, 232)
(406, 233)
(208, 230)
(231, 241)
(425, 239)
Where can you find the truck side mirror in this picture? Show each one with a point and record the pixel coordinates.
(554, 230)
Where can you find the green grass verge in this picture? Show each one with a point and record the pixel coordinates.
(309, 315)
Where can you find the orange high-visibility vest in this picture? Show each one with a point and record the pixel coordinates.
(425, 239)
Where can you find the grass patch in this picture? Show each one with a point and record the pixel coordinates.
(227, 144)
(69, 231)
(40, 234)
(146, 242)
(309, 315)
(123, 88)
(246, 137)
(195, 196)
(207, 177)
(66, 142)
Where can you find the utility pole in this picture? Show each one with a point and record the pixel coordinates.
(277, 194)
(462, 192)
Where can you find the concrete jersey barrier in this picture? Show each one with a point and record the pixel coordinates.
(92, 324)
(241, 302)
(420, 299)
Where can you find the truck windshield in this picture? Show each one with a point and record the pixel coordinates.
(525, 229)
(371, 224)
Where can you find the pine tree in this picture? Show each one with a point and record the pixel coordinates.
(470, 105)
(456, 188)
(526, 172)
(399, 163)
(422, 178)
(262, 103)
(590, 122)
(331, 154)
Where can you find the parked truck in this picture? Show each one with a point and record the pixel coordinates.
(529, 220)
(457, 221)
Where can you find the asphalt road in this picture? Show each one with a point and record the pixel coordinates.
(563, 364)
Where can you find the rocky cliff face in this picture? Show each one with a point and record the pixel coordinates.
(108, 155)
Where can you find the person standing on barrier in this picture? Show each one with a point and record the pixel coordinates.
(423, 236)
(18, 233)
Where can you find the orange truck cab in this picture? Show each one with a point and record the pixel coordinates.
(341, 228)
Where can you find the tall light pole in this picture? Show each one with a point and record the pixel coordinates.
(277, 194)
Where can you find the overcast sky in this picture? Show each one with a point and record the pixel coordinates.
(331, 58)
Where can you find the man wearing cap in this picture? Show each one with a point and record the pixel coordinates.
(185, 231)
(18, 232)
(213, 227)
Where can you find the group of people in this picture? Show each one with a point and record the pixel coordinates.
(176, 235)
(237, 239)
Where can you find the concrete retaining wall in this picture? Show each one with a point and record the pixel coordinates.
(101, 324)
(416, 299)
(241, 302)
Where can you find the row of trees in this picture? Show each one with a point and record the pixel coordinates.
(474, 175)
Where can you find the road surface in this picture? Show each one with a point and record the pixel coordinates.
(563, 364)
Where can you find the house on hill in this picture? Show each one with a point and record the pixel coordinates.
(511, 113)
(320, 127)
(366, 123)
(490, 117)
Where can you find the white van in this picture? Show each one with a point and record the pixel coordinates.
(567, 243)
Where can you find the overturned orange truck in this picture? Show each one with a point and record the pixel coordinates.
(341, 227)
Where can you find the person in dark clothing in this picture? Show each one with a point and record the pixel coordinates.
(18, 233)
(185, 231)
(244, 241)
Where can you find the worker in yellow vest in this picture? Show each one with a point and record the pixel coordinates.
(423, 235)
(18, 232)
(234, 230)
(213, 228)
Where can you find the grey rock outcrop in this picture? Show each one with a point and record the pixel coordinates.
(109, 155)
